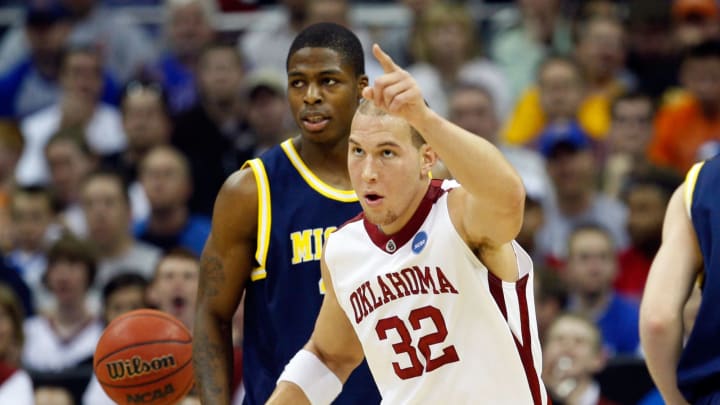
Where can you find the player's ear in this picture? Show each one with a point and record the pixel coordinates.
(363, 82)
(428, 159)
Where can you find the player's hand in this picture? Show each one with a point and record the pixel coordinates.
(396, 91)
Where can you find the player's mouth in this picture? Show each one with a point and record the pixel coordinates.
(372, 199)
(314, 122)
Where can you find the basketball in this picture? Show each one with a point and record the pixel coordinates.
(145, 357)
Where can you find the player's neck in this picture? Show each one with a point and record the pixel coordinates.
(405, 217)
(328, 161)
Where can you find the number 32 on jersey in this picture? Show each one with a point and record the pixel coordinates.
(405, 347)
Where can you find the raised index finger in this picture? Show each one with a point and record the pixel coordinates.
(385, 60)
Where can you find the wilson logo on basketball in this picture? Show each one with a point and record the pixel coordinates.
(136, 366)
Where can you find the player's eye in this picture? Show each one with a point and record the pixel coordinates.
(297, 83)
(388, 153)
(357, 151)
(329, 81)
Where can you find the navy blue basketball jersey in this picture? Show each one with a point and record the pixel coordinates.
(699, 366)
(296, 213)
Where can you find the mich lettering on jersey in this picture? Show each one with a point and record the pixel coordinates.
(372, 294)
(307, 244)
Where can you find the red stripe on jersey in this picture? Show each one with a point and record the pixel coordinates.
(525, 348)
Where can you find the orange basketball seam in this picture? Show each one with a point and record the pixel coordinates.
(166, 376)
(142, 344)
(153, 313)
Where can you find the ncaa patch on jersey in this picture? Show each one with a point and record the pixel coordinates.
(419, 242)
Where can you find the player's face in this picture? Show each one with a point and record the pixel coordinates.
(175, 286)
(388, 173)
(591, 263)
(323, 92)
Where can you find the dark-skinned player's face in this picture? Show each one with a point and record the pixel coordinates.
(323, 92)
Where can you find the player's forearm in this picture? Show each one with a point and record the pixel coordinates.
(476, 163)
(662, 342)
(212, 354)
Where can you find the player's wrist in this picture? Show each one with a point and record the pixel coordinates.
(319, 384)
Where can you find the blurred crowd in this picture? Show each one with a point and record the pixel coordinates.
(115, 138)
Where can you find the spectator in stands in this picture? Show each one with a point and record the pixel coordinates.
(646, 197)
(123, 293)
(165, 176)
(652, 53)
(33, 228)
(396, 39)
(572, 355)
(79, 107)
(70, 160)
(695, 21)
(15, 384)
(11, 333)
(211, 133)
(67, 335)
(627, 142)
(558, 98)
(266, 41)
(11, 146)
(551, 298)
(268, 114)
(446, 51)
(523, 39)
(687, 128)
(600, 51)
(106, 204)
(338, 12)
(126, 47)
(188, 28)
(572, 168)
(10, 277)
(472, 107)
(590, 270)
(147, 124)
(30, 83)
(174, 286)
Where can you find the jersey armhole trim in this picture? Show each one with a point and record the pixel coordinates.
(264, 220)
(690, 181)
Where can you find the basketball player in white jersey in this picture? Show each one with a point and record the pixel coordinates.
(427, 283)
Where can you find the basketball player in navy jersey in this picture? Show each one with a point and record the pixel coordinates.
(689, 253)
(427, 283)
(270, 221)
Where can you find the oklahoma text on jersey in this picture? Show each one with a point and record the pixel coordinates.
(372, 294)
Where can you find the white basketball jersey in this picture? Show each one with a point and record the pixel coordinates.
(437, 327)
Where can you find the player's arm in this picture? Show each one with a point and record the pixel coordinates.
(226, 264)
(669, 284)
(335, 351)
(488, 209)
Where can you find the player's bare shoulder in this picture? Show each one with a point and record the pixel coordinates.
(236, 206)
